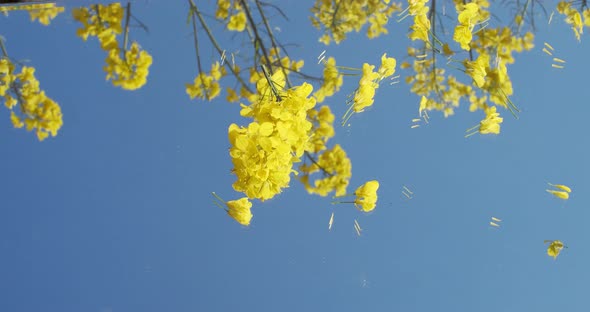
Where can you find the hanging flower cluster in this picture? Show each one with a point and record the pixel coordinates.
(126, 67)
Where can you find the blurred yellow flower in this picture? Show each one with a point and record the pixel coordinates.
(554, 248)
(366, 196)
(237, 22)
(240, 210)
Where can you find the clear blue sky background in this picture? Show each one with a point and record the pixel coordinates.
(116, 214)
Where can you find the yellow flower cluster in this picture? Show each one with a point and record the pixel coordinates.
(574, 18)
(336, 169)
(332, 81)
(43, 12)
(421, 27)
(323, 128)
(237, 21)
(264, 152)
(36, 110)
(337, 18)
(366, 196)
(126, 68)
(207, 86)
(431, 82)
(369, 82)
(101, 21)
(490, 124)
(469, 16)
(443, 92)
(130, 72)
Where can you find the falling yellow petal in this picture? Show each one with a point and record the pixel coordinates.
(496, 219)
(556, 66)
(407, 189)
(555, 59)
(416, 119)
(494, 224)
(331, 221)
(407, 195)
(547, 51)
(549, 46)
(558, 194)
(415, 126)
(562, 187)
(550, 18)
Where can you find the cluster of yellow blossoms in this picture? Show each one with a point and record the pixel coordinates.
(336, 169)
(127, 68)
(368, 84)
(491, 83)
(421, 26)
(35, 109)
(237, 19)
(468, 17)
(574, 18)
(42, 12)
(332, 81)
(490, 124)
(207, 86)
(264, 152)
(337, 17)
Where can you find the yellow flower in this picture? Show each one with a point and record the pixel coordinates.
(366, 196)
(232, 95)
(554, 248)
(477, 69)
(46, 14)
(387, 66)
(491, 124)
(420, 28)
(240, 210)
(237, 22)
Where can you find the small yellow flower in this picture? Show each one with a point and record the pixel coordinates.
(237, 22)
(554, 248)
(366, 196)
(387, 66)
(240, 210)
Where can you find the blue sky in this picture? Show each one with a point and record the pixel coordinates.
(116, 213)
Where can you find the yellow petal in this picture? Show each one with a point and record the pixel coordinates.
(558, 194)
